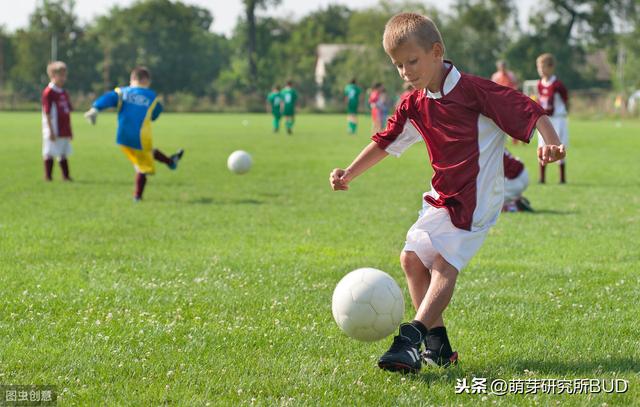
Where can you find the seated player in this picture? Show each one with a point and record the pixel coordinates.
(137, 107)
(516, 180)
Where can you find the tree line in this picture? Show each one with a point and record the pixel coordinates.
(174, 40)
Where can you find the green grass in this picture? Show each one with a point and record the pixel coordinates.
(217, 288)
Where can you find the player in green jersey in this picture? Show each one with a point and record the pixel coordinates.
(289, 97)
(274, 103)
(352, 97)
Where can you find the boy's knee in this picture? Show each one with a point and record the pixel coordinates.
(411, 263)
(444, 268)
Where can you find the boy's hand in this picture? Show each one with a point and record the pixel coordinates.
(550, 153)
(91, 115)
(339, 180)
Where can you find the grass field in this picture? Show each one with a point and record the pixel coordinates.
(217, 288)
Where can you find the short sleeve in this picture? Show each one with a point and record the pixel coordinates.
(107, 100)
(564, 94)
(47, 100)
(400, 133)
(512, 111)
(156, 111)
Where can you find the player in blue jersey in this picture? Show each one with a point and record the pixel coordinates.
(137, 107)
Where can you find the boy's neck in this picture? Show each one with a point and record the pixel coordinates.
(436, 82)
(57, 84)
(135, 84)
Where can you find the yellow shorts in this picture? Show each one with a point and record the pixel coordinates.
(142, 160)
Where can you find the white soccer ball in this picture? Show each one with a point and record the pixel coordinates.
(367, 304)
(239, 162)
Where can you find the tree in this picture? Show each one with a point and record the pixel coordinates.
(250, 7)
(171, 38)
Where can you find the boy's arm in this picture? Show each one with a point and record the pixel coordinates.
(552, 150)
(368, 157)
(46, 107)
(107, 100)
(156, 111)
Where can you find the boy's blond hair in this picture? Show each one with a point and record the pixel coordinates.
(404, 26)
(546, 59)
(55, 67)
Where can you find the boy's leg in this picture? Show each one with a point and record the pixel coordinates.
(171, 162)
(160, 156)
(563, 179)
(276, 123)
(443, 280)
(64, 166)
(542, 173)
(48, 168)
(289, 123)
(141, 181)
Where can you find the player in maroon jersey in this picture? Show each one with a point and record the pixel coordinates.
(462, 120)
(554, 99)
(516, 180)
(56, 121)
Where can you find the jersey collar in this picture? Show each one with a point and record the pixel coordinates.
(55, 88)
(550, 81)
(451, 78)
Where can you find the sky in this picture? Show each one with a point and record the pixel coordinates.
(15, 14)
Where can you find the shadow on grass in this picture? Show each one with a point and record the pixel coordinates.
(101, 182)
(211, 201)
(551, 212)
(538, 369)
(597, 366)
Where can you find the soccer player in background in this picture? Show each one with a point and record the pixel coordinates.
(352, 96)
(554, 99)
(274, 104)
(374, 97)
(56, 121)
(463, 120)
(289, 98)
(137, 107)
(503, 76)
(516, 180)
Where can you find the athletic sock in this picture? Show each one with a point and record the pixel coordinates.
(48, 168)
(141, 181)
(420, 327)
(159, 156)
(64, 166)
(438, 341)
(352, 127)
(562, 173)
(276, 124)
(542, 173)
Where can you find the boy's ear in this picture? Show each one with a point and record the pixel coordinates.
(438, 50)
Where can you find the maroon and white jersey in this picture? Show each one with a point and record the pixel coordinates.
(553, 97)
(463, 126)
(512, 166)
(56, 103)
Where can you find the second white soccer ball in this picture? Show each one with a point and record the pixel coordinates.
(239, 162)
(367, 304)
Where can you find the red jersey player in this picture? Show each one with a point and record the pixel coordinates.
(56, 121)
(554, 99)
(516, 180)
(463, 120)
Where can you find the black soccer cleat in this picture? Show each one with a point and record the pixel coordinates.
(175, 158)
(404, 354)
(434, 358)
(524, 205)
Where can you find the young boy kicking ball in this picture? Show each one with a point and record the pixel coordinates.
(463, 120)
(137, 107)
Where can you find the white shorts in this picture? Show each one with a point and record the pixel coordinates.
(560, 125)
(513, 188)
(59, 148)
(433, 234)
